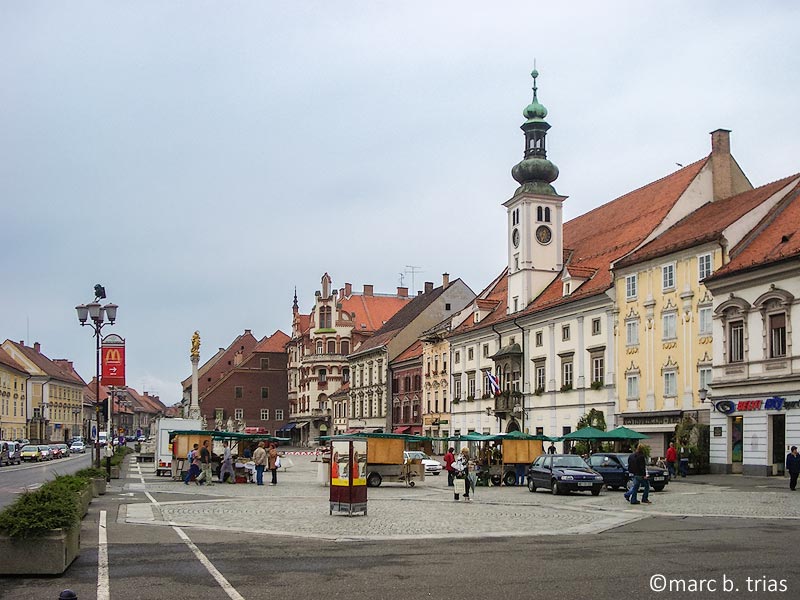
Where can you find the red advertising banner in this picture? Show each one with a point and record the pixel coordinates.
(113, 359)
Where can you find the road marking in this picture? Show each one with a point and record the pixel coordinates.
(102, 559)
(219, 577)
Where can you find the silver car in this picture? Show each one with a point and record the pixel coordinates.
(432, 467)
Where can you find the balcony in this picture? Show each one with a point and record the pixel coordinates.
(320, 412)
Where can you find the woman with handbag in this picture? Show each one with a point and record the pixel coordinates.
(461, 481)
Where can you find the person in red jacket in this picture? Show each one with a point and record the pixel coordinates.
(672, 458)
(449, 459)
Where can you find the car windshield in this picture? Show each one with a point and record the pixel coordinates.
(30, 449)
(416, 454)
(574, 462)
(44, 447)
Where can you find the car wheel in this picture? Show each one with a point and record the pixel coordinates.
(658, 488)
(531, 485)
(374, 480)
(496, 480)
(510, 478)
(596, 492)
(437, 473)
(554, 488)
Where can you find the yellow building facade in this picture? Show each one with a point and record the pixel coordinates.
(13, 399)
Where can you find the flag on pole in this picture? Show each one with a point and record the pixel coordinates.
(494, 385)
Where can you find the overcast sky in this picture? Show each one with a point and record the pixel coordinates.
(201, 159)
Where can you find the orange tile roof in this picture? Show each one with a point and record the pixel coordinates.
(274, 343)
(777, 238)
(372, 311)
(49, 367)
(706, 223)
(413, 351)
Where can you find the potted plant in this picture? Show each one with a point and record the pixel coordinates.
(470, 398)
(597, 385)
(566, 387)
(97, 479)
(539, 391)
(40, 532)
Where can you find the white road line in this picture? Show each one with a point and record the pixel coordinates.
(219, 577)
(102, 559)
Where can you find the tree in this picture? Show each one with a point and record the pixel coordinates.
(594, 418)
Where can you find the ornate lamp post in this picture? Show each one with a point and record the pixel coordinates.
(97, 314)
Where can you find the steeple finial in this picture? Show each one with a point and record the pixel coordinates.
(295, 306)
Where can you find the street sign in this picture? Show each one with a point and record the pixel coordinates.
(113, 358)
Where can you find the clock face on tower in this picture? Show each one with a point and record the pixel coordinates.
(515, 238)
(543, 234)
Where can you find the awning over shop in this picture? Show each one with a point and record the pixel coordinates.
(301, 424)
(288, 427)
(401, 429)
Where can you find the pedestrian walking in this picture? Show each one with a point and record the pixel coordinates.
(637, 466)
(205, 463)
(793, 466)
(227, 464)
(461, 482)
(449, 459)
(194, 466)
(683, 464)
(273, 460)
(672, 458)
(260, 460)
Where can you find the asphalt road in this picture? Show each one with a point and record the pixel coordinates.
(14, 479)
(149, 562)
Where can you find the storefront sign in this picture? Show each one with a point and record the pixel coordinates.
(652, 420)
(774, 403)
(113, 359)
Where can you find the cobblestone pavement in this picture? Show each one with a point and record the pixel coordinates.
(298, 506)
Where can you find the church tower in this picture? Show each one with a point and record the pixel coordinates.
(534, 214)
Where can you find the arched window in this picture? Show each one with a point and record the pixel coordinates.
(319, 347)
(539, 214)
(345, 347)
(546, 216)
(331, 346)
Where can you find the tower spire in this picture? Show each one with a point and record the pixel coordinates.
(535, 173)
(295, 306)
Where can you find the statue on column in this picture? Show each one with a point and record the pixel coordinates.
(195, 353)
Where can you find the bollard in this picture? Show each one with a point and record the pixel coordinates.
(67, 595)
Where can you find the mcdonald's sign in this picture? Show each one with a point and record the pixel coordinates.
(113, 358)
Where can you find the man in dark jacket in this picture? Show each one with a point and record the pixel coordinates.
(793, 466)
(637, 466)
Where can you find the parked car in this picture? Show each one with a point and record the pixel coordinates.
(56, 451)
(77, 446)
(47, 452)
(64, 449)
(31, 453)
(613, 466)
(562, 473)
(432, 467)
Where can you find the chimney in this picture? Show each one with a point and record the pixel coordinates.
(721, 164)
(348, 289)
(37, 347)
(445, 280)
(367, 290)
(428, 287)
(248, 332)
(402, 292)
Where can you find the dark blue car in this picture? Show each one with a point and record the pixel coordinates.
(613, 466)
(563, 473)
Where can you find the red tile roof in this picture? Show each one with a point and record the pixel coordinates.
(51, 368)
(371, 312)
(413, 351)
(706, 223)
(776, 238)
(274, 343)
(593, 240)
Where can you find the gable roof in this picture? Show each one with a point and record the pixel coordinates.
(372, 312)
(594, 240)
(413, 351)
(5, 359)
(274, 343)
(705, 224)
(775, 239)
(47, 366)
(401, 319)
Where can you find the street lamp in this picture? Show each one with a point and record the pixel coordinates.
(96, 314)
